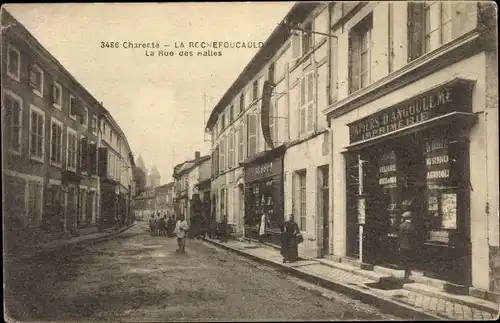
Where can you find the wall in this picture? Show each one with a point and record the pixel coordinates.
(305, 156)
(470, 68)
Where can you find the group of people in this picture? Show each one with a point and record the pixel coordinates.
(159, 226)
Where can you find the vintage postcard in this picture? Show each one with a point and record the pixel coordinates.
(250, 161)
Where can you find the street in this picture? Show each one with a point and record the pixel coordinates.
(136, 277)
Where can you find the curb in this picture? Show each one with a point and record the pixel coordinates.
(96, 240)
(385, 305)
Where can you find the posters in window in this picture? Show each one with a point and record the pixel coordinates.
(387, 170)
(449, 210)
(437, 160)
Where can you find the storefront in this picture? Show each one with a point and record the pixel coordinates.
(264, 194)
(413, 155)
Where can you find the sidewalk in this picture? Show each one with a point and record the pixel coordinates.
(59, 243)
(412, 301)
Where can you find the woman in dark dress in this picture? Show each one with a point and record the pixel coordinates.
(290, 240)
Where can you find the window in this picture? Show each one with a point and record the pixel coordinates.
(230, 149)
(72, 150)
(13, 109)
(240, 143)
(271, 73)
(223, 122)
(37, 132)
(302, 41)
(255, 90)
(222, 156)
(252, 134)
(307, 38)
(111, 137)
(93, 124)
(36, 79)
(83, 154)
(242, 102)
(306, 114)
(302, 200)
(72, 106)
(13, 62)
(56, 142)
(85, 117)
(57, 95)
(104, 127)
(432, 24)
(34, 207)
(231, 113)
(359, 54)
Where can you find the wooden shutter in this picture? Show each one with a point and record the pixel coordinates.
(415, 29)
(302, 107)
(84, 154)
(310, 101)
(296, 46)
(103, 162)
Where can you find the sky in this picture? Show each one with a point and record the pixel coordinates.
(158, 101)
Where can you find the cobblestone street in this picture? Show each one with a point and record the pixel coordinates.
(136, 277)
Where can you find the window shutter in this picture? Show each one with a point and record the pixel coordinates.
(354, 62)
(296, 45)
(103, 162)
(415, 29)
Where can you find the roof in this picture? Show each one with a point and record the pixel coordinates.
(271, 46)
(183, 167)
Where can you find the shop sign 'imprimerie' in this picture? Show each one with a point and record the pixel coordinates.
(430, 105)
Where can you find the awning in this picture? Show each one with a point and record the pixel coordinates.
(446, 119)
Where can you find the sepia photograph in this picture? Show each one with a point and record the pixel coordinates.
(250, 161)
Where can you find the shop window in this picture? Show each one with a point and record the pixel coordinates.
(359, 54)
(37, 133)
(14, 200)
(432, 24)
(13, 107)
(35, 200)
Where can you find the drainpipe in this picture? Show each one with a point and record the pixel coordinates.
(330, 136)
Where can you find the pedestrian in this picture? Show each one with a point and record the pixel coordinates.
(407, 240)
(155, 225)
(170, 226)
(181, 228)
(264, 222)
(161, 226)
(223, 230)
(151, 224)
(290, 240)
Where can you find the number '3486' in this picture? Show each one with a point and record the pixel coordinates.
(106, 44)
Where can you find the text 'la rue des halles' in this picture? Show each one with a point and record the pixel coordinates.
(212, 48)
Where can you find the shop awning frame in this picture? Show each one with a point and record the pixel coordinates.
(449, 118)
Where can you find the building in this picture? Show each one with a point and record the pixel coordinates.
(268, 139)
(145, 204)
(154, 178)
(203, 186)
(186, 177)
(49, 142)
(413, 113)
(116, 164)
(164, 199)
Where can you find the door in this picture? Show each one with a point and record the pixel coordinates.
(324, 209)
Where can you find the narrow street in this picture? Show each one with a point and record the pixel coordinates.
(136, 277)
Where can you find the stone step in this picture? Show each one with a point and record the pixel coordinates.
(354, 270)
(466, 300)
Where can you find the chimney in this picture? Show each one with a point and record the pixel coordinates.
(197, 156)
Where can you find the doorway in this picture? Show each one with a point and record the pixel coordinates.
(323, 208)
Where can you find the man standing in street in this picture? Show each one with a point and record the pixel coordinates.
(181, 228)
(407, 240)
